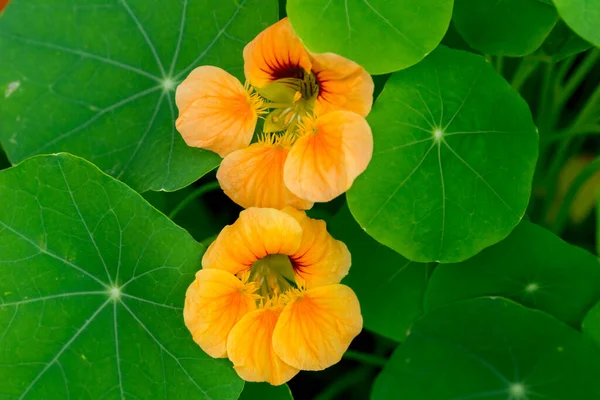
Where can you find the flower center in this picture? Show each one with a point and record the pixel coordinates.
(274, 275)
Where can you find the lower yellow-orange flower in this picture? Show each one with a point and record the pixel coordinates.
(268, 296)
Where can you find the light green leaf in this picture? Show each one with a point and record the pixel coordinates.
(389, 287)
(93, 285)
(563, 42)
(264, 391)
(382, 36)
(491, 349)
(455, 151)
(582, 16)
(504, 27)
(102, 86)
(531, 266)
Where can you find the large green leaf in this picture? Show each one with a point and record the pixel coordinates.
(455, 150)
(93, 285)
(97, 79)
(491, 349)
(531, 266)
(389, 287)
(583, 16)
(381, 35)
(591, 324)
(504, 27)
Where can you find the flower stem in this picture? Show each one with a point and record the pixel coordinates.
(208, 187)
(365, 358)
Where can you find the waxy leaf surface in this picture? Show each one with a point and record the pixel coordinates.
(102, 86)
(93, 285)
(491, 349)
(383, 36)
(582, 16)
(454, 156)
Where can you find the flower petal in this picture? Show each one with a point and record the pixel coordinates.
(257, 233)
(332, 151)
(320, 260)
(274, 54)
(343, 85)
(253, 177)
(250, 348)
(214, 303)
(315, 329)
(215, 111)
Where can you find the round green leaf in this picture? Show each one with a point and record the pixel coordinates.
(102, 86)
(504, 27)
(491, 349)
(582, 16)
(563, 42)
(264, 391)
(383, 36)
(531, 266)
(93, 285)
(455, 151)
(389, 287)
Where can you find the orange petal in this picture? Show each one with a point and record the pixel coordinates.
(214, 303)
(320, 259)
(343, 85)
(332, 151)
(257, 233)
(250, 349)
(253, 177)
(215, 111)
(274, 54)
(315, 329)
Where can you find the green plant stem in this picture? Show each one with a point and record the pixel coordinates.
(208, 187)
(563, 213)
(339, 386)
(499, 64)
(365, 358)
(577, 77)
(524, 70)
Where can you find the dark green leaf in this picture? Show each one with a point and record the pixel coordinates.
(264, 391)
(455, 151)
(97, 79)
(582, 16)
(389, 287)
(563, 42)
(93, 285)
(491, 349)
(383, 36)
(531, 266)
(504, 27)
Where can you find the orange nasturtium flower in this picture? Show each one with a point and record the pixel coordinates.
(315, 140)
(268, 296)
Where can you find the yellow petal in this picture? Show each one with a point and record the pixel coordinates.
(257, 233)
(250, 349)
(274, 54)
(315, 329)
(332, 151)
(214, 303)
(253, 177)
(343, 85)
(215, 111)
(320, 259)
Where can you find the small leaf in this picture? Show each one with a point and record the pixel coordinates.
(582, 16)
(563, 42)
(93, 285)
(531, 266)
(504, 27)
(455, 151)
(490, 349)
(98, 79)
(264, 391)
(382, 36)
(389, 287)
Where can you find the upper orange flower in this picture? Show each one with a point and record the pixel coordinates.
(268, 296)
(315, 139)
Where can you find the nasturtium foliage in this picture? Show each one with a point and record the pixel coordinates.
(562, 42)
(383, 36)
(454, 155)
(591, 324)
(98, 79)
(93, 285)
(264, 391)
(493, 349)
(504, 27)
(389, 287)
(582, 16)
(531, 266)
